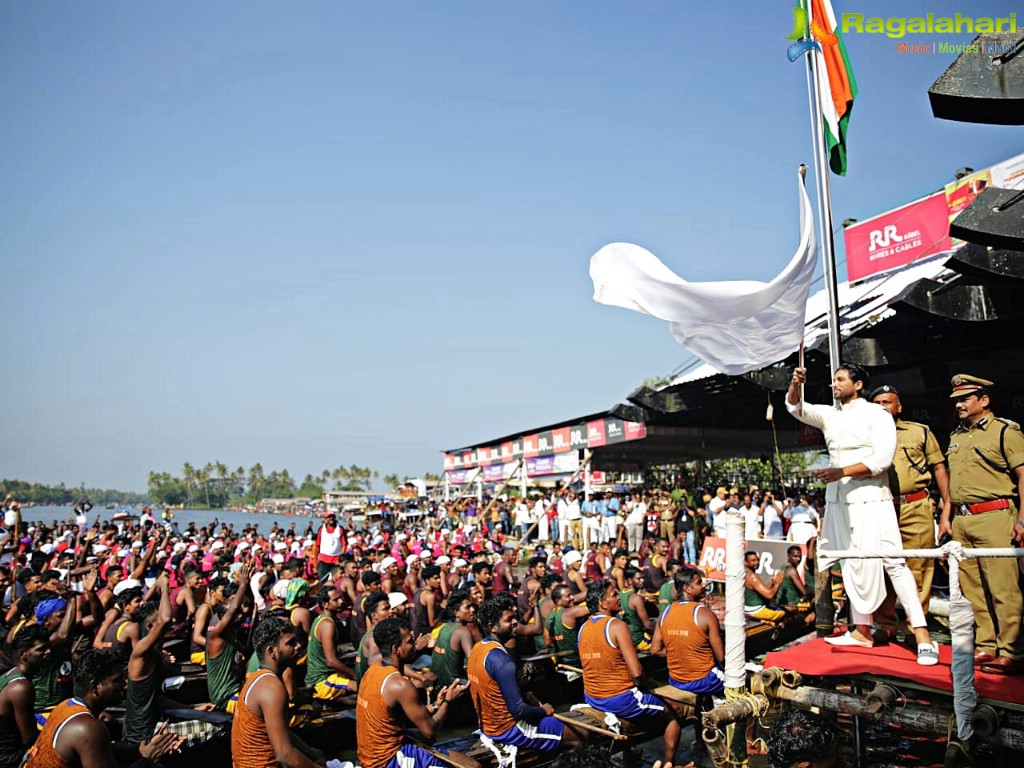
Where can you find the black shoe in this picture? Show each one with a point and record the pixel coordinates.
(959, 754)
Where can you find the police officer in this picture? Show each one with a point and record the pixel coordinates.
(986, 476)
(918, 459)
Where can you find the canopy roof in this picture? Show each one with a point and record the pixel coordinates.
(957, 312)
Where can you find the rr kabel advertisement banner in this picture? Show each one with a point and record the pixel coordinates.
(896, 238)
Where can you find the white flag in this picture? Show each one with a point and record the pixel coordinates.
(735, 325)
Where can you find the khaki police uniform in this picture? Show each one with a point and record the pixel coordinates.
(983, 489)
(917, 451)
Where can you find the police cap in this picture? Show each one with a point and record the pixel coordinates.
(885, 389)
(968, 385)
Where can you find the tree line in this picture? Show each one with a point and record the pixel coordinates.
(215, 486)
(40, 494)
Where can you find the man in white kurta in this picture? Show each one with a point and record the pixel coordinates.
(859, 513)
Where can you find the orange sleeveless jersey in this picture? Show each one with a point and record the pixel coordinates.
(686, 646)
(250, 745)
(43, 754)
(374, 718)
(604, 670)
(490, 705)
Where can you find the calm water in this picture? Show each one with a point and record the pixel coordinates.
(182, 517)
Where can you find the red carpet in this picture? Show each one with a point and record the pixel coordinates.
(818, 658)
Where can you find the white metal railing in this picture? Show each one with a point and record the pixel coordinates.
(961, 616)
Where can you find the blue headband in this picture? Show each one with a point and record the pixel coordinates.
(47, 608)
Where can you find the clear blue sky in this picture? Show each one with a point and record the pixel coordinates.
(322, 233)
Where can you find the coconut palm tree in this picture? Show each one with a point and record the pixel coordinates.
(188, 476)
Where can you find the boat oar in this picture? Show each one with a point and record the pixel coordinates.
(552, 655)
(459, 761)
(574, 722)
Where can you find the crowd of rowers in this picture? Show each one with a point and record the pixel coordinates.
(103, 614)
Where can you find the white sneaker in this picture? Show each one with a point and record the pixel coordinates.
(927, 654)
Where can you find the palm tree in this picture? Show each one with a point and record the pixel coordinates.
(203, 476)
(188, 475)
(222, 473)
(256, 481)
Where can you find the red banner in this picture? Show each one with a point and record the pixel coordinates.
(635, 430)
(529, 446)
(596, 434)
(561, 439)
(898, 237)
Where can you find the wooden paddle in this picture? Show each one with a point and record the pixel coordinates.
(456, 761)
(548, 655)
(575, 722)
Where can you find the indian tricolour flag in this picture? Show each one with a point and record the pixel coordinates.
(836, 86)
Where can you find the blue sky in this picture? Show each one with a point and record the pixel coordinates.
(323, 233)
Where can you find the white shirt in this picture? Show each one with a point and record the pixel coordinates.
(721, 522)
(637, 514)
(803, 523)
(572, 510)
(716, 508)
(522, 514)
(856, 433)
(773, 528)
(751, 522)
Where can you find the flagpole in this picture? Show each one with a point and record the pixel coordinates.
(821, 183)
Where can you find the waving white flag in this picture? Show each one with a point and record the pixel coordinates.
(735, 325)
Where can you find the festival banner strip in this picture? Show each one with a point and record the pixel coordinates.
(593, 434)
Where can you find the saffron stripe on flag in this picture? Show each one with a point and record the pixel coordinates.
(836, 87)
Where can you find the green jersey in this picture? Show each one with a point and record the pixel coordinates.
(361, 663)
(448, 662)
(316, 660)
(52, 681)
(224, 674)
(665, 595)
(631, 617)
(563, 637)
(11, 749)
(142, 707)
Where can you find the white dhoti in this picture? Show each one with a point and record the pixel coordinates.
(870, 527)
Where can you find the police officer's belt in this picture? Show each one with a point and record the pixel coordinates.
(906, 498)
(981, 506)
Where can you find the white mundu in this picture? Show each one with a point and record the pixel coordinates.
(859, 514)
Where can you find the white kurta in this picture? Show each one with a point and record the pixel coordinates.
(859, 514)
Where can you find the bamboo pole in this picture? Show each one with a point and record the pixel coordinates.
(500, 490)
(587, 456)
(930, 719)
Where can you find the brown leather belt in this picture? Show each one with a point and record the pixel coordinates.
(915, 496)
(982, 506)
